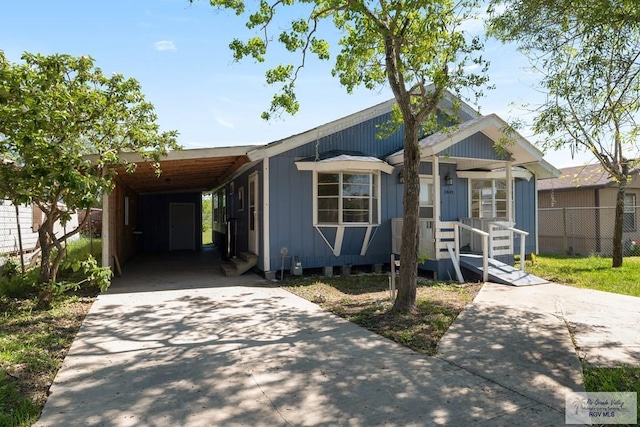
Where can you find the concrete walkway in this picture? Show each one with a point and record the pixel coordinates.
(604, 325)
(214, 351)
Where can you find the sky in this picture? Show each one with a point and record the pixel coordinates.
(179, 53)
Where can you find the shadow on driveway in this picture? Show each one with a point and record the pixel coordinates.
(207, 354)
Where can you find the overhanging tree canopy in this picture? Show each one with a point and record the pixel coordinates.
(588, 54)
(419, 48)
(55, 109)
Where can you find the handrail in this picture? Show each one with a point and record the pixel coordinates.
(523, 233)
(485, 243)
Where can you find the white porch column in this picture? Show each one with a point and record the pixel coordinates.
(266, 254)
(435, 165)
(510, 213)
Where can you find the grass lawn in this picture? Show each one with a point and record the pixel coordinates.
(33, 343)
(207, 237)
(32, 347)
(589, 272)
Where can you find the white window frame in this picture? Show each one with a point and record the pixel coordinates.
(373, 198)
(493, 199)
(427, 179)
(629, 209)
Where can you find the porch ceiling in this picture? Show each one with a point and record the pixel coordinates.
(187, 170)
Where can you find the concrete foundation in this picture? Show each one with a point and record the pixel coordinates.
(345, 270)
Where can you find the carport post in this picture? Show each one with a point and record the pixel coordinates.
(106, 256)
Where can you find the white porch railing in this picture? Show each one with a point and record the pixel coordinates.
(471, 242)
(426, 248)
(497, 234)
(442, 240)
(485, 247)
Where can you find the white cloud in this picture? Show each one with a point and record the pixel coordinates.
(225, 123)
(164, 45)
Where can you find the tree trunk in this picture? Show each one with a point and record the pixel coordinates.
(406, 299)
(45, 253)
(617, 226)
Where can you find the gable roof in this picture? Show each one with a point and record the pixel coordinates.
(523, 153)
(464, 112)
(589, 176)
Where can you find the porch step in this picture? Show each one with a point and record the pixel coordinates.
(240, 265)
(499, 272)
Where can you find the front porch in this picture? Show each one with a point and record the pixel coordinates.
(478, 244)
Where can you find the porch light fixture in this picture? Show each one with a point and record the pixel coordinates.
(448, 181)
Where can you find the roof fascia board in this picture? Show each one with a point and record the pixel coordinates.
(345, 165)
(522, 174)
(189, 154)
(491, 126)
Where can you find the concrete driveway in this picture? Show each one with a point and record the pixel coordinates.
(199, 349)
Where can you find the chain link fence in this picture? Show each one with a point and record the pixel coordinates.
(585, 231)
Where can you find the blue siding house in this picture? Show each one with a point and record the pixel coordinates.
(332, 196)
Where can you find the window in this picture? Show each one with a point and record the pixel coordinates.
(629, 213)
(219, 205)
(426, 196)
(488, 198)
(241, 198)
(347, 198)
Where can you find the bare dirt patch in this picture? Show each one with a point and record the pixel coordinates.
(364, 299)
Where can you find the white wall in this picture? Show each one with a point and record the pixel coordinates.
(9, 228)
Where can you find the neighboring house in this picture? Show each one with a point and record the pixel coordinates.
(30, 218)
(577, 211)
(332, 196)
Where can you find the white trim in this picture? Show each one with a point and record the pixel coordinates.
(435, 172)
(346, 166)
(535, 213)
(495, 174)
(265, 216)
(190, 154)
(346, 163)
(314, 194)
(256, 223)
(510, 201)
(340, 200)
(523, 152)
(430, 180)
(337, 248)
(367, 240)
